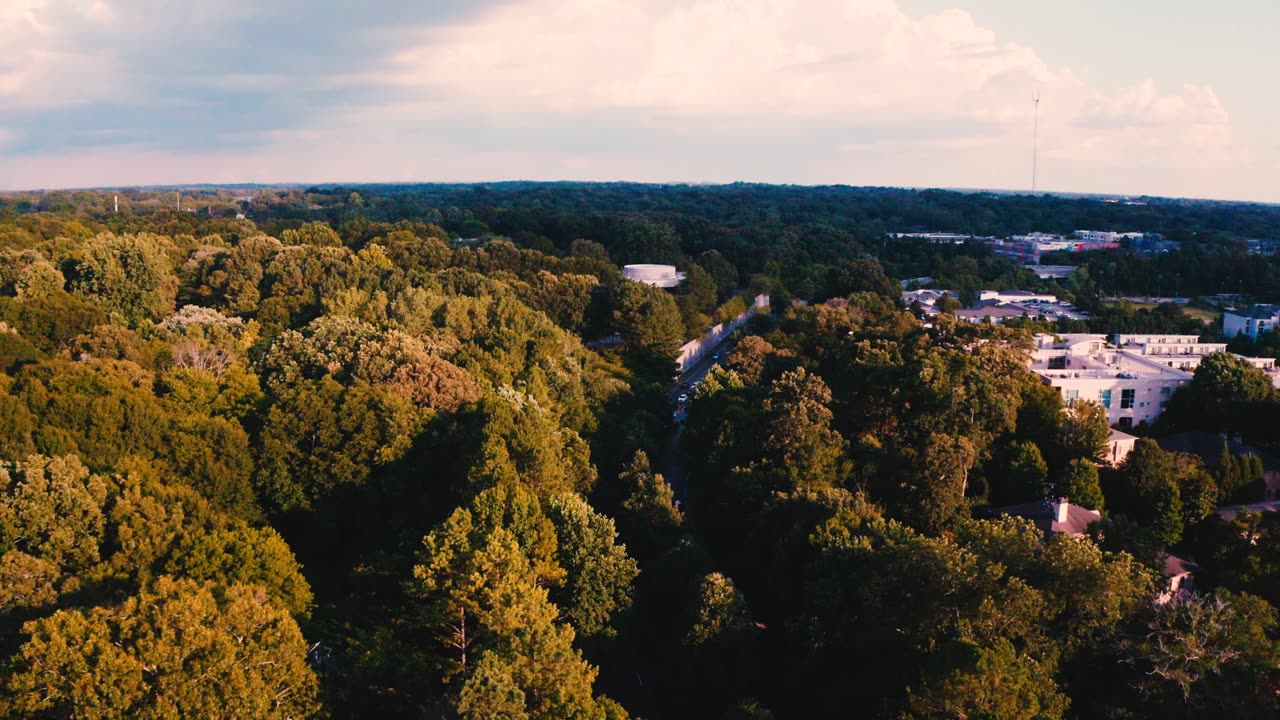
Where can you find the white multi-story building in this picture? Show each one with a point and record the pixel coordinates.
(1132, 389)
(1250, 321)
(1183, 352)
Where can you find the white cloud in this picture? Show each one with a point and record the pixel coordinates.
(767, 63)
(852, 91)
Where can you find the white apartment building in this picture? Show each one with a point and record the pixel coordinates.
(1250, 321)
(1183, 352)
(1132, 389)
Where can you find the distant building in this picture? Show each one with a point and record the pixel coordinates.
(939, 238)
(663, 276)
(1015, 296)
(996, 314)
(1097, 236)
(926, 296)
(1131, 388)
(1056, 272)
(1252, 321)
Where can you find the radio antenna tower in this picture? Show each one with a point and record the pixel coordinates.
(1035, 141)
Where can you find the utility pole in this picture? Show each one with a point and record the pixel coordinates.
(117, 198)
(179, 194)
(1035, 141)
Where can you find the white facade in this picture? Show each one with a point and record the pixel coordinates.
(1131, 388)
(1183, 352)
(1250, 321)
(1119, 445)
(663, 276)
(1015, 296)
(1097, 236)
(926, 296)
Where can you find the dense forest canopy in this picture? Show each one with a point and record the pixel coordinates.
(402, 451)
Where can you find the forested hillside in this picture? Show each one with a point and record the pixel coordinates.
(349, 456)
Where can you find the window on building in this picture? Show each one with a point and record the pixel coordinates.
(1104, 399)
(1126, 423)
(1070, 395)
(1058, 363)
(1166, 391)
(1127, 397)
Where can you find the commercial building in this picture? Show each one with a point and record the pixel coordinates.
(1015, 296)
(1056, 272)
(1131, 388)
(1250, 321)
(663, 276)
(1097, 236)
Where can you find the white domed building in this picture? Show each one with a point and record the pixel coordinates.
(663, 276)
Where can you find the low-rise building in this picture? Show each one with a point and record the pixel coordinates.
(663, 276)
(1056, 272)
(1131, 388)
(925, 296)
(1119, 445)
(1015, 296)
(1251, 321)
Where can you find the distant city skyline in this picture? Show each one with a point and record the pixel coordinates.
(1150, 98)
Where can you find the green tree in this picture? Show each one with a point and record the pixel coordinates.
(649, 519)
(182, 649)
(1080, 485)
(799, 441)
(722, 272)
(130, 275)
(1210, 653)
(1084, 431)
(320, 435)
(598, 572)
(994, 682)
(312, 233)
(934, 480)
(647, 319)
(1024, 474)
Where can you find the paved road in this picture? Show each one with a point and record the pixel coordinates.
(672, 465)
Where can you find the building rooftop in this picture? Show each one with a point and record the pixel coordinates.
(1044, 514)
(1257, 312)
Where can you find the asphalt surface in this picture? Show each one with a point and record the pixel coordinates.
(672, 466)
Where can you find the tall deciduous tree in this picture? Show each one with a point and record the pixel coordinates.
(182, 649)
(130, 275)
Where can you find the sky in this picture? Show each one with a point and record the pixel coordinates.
(1156, 97)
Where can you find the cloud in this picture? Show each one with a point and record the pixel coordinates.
(854, 91)
(770, 63)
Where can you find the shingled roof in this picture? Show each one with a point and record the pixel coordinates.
(1043, 515)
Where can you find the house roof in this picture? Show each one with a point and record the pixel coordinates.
(1117, 435)
(1041, 513)
(1257, 312)
(1175, 566)
(1002, 311)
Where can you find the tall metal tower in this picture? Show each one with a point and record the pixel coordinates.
(1035, 141)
